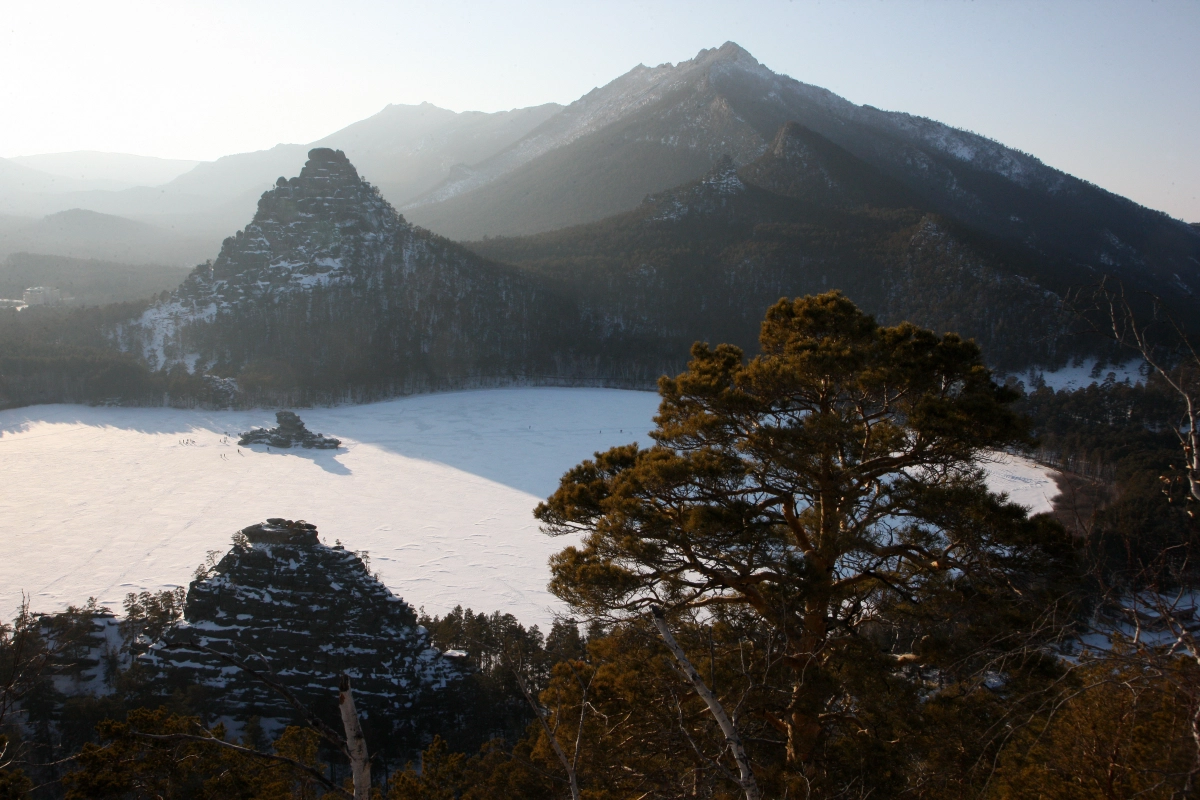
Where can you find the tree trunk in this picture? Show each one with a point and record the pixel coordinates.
(732, 738)
(568, 764)
(356, 743)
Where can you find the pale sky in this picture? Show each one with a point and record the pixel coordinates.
(1108, 91)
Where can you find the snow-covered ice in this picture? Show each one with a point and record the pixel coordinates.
(438, 488)
(1024, 481)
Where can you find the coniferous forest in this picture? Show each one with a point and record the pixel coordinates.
(802, 587)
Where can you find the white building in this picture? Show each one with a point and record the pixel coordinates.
(42, 296)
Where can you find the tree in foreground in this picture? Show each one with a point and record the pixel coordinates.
(826, 493)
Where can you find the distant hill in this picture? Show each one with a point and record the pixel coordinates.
(78, 233)
(86, 282)
(406, 149)
(18, 180)
(655, 128)
(113, 170)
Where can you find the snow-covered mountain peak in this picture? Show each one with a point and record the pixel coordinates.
(604, 106)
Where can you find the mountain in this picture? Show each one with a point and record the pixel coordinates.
(469, 175)
(704, 260)
(78, 233)
(112, 170)
(243, 175)
(329, 290)
(406, 150)
(307, 613)
(17, 179)
(659, 127)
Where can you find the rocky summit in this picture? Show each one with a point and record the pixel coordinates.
(305, 613)
(329, 289)
(279, 250)
(291, 432)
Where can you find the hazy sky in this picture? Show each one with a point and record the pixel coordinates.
(1108, 91)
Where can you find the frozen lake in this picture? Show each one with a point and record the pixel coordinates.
(439, 489)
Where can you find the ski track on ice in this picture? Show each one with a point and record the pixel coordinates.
(440, 489)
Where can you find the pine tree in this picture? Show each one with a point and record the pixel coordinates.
(830, 488)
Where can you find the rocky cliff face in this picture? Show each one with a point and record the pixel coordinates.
(290, 606)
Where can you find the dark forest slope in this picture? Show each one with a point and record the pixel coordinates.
(704, 260)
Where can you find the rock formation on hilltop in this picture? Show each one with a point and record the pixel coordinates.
(329, 288)
(291, 432)
(283, 602)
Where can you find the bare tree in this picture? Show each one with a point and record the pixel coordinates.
(355, 743)
(23, 657)
(1161, 340)
(352, 745)
(733, 740)
(570, 765)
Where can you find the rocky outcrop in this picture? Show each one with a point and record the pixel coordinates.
(306, 613)
(290, 433)
(329, 295)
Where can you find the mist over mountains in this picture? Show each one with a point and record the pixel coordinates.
(472, 174)
(672, 205)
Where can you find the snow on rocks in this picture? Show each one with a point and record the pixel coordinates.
(291, 432)
(308, 624)
(308, 232)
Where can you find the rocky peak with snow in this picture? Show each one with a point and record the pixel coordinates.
(305, 612)
(315, 229)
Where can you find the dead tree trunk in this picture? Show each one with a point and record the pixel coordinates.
(356, 743)
(551, 735)
(733, 740)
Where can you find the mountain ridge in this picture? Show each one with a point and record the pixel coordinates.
(960, 174)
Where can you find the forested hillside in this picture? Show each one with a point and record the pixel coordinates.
(658, 127)
(701, 262)
(86, 281)
(329, 294)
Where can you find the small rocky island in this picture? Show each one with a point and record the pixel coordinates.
(290, 433)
